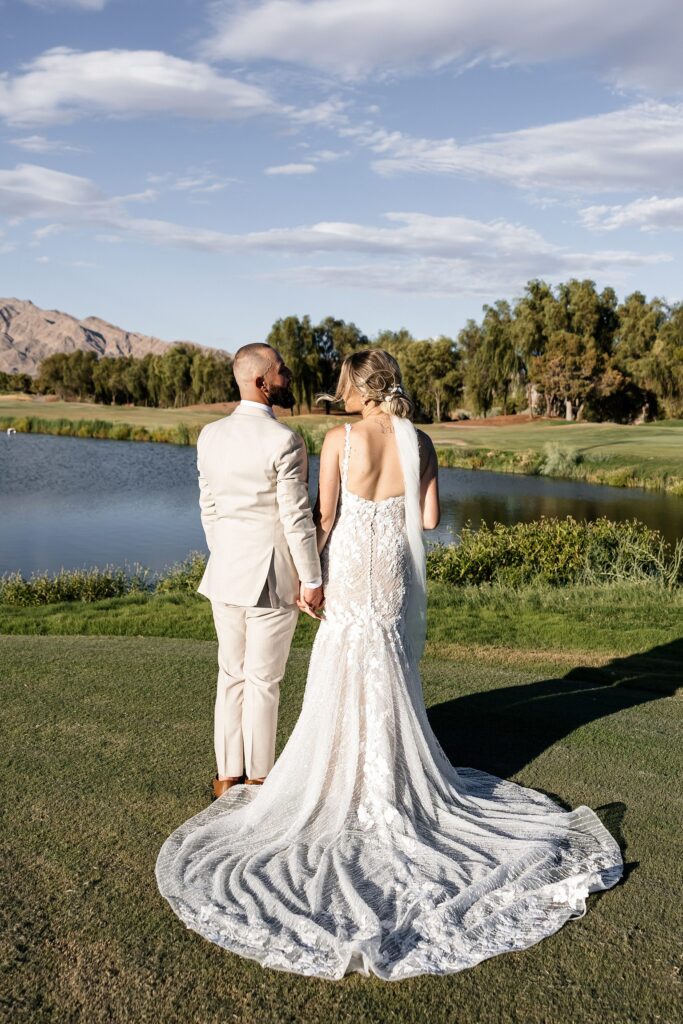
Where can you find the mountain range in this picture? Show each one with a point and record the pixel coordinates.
(28, 334)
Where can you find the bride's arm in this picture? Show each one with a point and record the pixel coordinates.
(325, 509)
(429, 483)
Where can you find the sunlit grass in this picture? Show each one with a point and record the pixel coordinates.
(107, 748)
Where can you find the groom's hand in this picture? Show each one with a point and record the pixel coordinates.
(313, 598)
(310, 601)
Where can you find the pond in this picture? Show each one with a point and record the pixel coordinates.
(72, 502)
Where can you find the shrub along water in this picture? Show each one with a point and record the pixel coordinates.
(554, 552)
(182, 433)
(74, 585)
(559, 461)
(559, 552)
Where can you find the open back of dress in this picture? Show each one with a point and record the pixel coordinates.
(365, 849)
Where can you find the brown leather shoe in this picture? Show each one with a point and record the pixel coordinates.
(254, 782)
(221, 786)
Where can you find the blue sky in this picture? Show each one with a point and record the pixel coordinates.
(196, 170)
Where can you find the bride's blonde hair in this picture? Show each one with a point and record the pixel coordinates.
(377, 376)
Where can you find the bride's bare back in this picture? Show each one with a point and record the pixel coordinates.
(375, 472)
(374, 466)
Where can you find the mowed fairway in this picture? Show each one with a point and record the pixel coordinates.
(655, 445)
(139, 415)
(108, 748)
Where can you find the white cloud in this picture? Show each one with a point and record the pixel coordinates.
(63, 84)
(47, 230)
(328, 113)
(327, 156)
(84, 5)
(639, 147)
(651, 214)
(195, 181)
(40, 144)
(633, 44)
(474, 274)
(409, 251)
(39, 192)
(291, 169)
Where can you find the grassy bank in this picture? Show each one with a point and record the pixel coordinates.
(649, 455)
(106, 711)
(553, 551)
(606, 620)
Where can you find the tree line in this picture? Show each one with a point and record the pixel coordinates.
(566, 351)
(570, 351)
(575, 352)
(183, 375)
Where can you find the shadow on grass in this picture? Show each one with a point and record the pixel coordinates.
(501, 731)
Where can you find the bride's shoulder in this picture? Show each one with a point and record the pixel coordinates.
(334, 438)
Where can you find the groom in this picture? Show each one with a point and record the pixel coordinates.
(253, 474)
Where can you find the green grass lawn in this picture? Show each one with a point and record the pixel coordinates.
(138, 414)
(659, 444)
(107, 722)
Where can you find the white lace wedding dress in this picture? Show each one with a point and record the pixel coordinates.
(365, 849)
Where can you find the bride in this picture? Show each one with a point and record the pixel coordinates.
(365, 849)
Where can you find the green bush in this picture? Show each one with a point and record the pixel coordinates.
(560, 461)
(121, 432)
(559, 552)
(22, 424)
(182, 577)
(73, 585)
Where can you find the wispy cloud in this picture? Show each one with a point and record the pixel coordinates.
(195, 181)
(638, 147)
(83, 5)
(634, 45)
(291, 169)
(326, 156)
(63, 84)
(41, 144)
(651, 214)
(408, 251)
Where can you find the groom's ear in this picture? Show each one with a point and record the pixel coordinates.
(260, 381)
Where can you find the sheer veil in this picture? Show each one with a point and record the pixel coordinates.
(416, 615)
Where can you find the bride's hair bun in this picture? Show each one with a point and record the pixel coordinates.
(377, 375)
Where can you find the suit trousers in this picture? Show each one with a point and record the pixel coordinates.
(253, 646)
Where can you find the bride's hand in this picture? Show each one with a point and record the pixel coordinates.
(310, 609)
(303, 607)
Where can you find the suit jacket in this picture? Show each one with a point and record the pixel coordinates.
(255, 510)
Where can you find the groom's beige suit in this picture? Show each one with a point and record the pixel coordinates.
(256, 514)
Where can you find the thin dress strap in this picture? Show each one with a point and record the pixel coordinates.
(345, 459)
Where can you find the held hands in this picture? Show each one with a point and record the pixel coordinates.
(311, 601)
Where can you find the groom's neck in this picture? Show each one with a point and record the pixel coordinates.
(253, 394)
